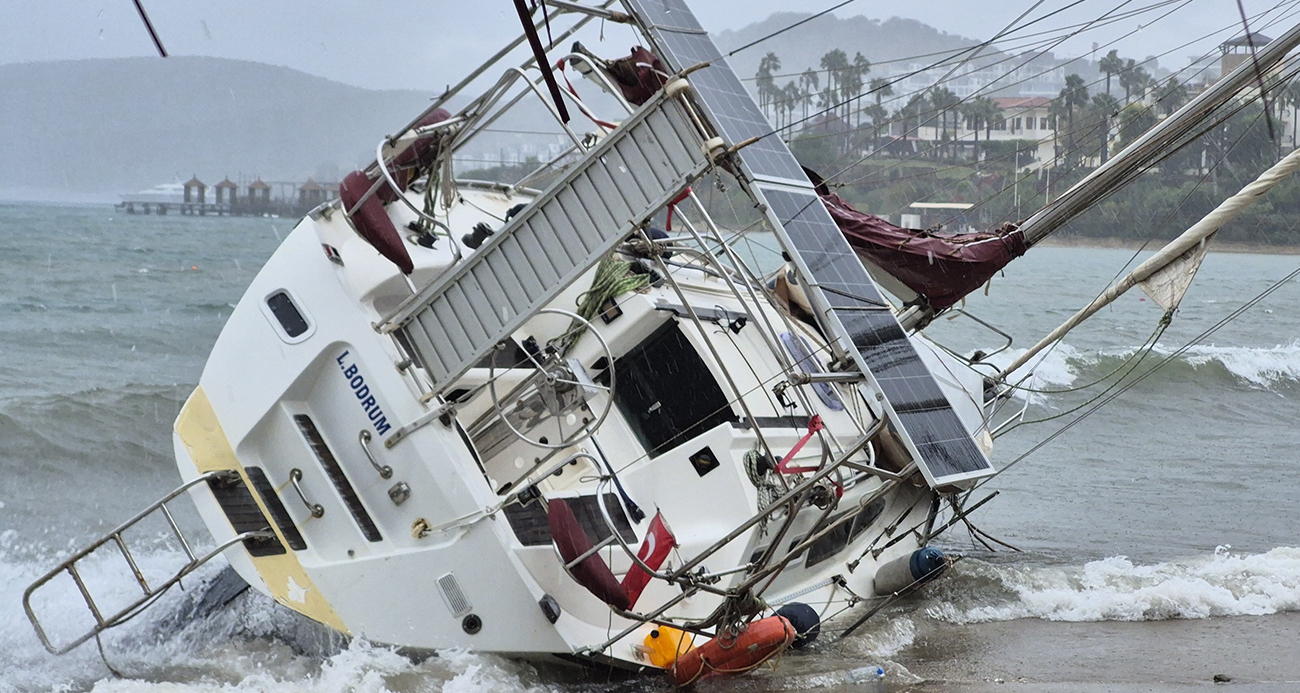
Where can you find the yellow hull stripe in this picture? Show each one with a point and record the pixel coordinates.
(284, 576)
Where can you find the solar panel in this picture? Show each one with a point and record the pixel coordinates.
(857, 313)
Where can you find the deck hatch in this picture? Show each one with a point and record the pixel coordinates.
(244, 515)
(276, 507)
(336, 476)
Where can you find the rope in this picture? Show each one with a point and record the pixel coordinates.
(613, 278)
(767, 490)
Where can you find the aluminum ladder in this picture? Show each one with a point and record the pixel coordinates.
(148, 592)
(613, 190)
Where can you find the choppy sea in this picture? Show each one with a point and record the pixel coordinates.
(1159, 543)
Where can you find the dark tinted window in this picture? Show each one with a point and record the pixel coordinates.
(666, 392)
(286, 312)
(530, 525)
(843, 535)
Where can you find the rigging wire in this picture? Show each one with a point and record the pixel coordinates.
(926, 116)
(1004, 48)
(1145, 374)
(1082, 127)
(144, 17)
(1130, 364)
(778, 32)
(832, 108)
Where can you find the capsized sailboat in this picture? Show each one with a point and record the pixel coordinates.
(571, 416)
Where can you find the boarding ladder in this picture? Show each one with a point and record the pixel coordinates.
(612, 191)
(149, 592)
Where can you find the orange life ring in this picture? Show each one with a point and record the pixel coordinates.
(761, 641)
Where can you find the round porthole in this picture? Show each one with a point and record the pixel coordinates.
(472, 624)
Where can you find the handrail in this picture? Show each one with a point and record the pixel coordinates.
(385, 471)
(453, 91)
(316, 509)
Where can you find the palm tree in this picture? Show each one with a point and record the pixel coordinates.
(1102, 109)
(1143, 82)
(810, 84)
(881, 88)
(835, 63)
(1111, 64)
(980, 113)
(1073, 97)
(909, 114)
(877, 114)
(765, 81)
(861, 66)
(791, 97)
(1171, 96)
(1135, 81)
(944, 100)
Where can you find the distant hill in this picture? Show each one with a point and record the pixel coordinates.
(802, 47)
(93, 129)
(96, 128)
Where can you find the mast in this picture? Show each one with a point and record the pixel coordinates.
(1166, 275)
(1155, 143)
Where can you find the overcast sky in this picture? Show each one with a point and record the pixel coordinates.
(423, 44)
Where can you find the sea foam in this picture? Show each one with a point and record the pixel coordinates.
(1116, 589)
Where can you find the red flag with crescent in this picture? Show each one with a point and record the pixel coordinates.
(659, 542)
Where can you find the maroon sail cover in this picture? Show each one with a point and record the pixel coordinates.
(371, 219)
(639, 75)
(942, 268)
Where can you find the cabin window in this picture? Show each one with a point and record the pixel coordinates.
(666, 392)
(840, 537)
(288, 315)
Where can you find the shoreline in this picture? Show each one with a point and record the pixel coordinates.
(1216, 246)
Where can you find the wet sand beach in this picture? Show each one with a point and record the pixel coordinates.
(1258, 653)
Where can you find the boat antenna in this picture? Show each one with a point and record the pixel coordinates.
(144, 17)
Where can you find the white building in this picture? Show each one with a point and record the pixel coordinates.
(1022, 118)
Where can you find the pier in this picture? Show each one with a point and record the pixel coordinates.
(191, 198)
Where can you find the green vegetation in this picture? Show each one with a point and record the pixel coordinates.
(880, 162)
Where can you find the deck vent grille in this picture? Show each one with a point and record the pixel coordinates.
(452, 594)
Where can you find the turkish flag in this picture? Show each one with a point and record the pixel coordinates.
(659, 541)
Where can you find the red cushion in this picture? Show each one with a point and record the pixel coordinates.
(572, 542)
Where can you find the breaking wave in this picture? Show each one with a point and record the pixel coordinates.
(1116, 589)
(248, 646)
(1271, 368)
